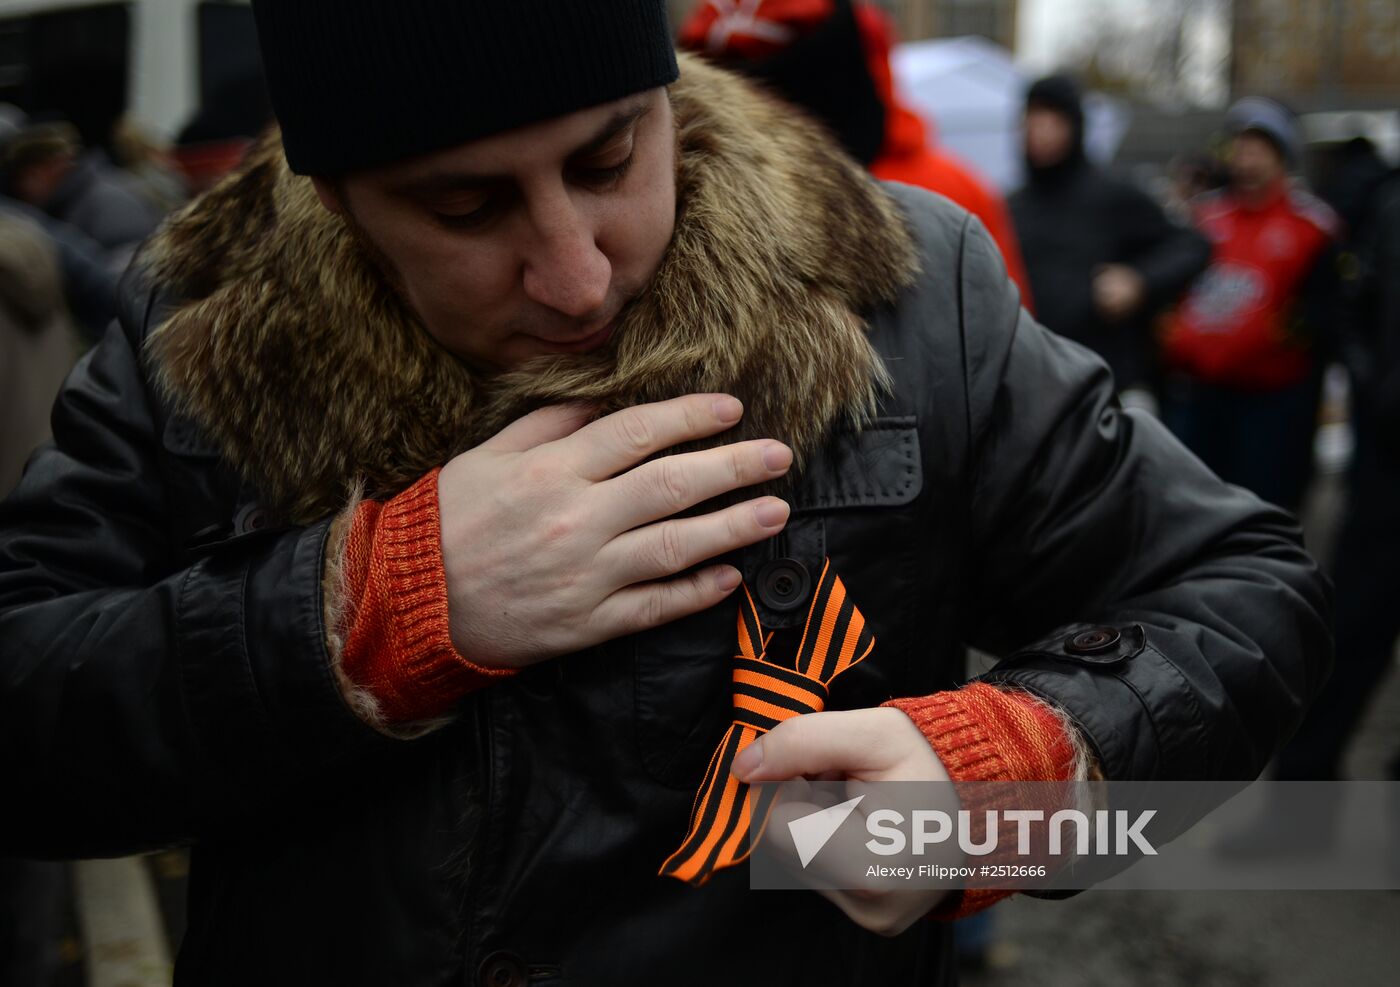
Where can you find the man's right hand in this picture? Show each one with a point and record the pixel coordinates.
(554, 539)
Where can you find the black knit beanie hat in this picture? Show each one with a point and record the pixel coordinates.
(359, 83)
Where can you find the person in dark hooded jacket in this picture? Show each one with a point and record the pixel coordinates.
(1103, 257)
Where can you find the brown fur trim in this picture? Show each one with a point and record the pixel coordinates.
(339, 606)
(311, 375)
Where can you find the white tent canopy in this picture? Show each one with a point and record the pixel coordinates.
(972, 93)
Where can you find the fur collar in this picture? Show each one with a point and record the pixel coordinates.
(310, 375)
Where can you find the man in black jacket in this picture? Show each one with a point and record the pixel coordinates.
(389, 550)
(1103, 257)
(1367, 561)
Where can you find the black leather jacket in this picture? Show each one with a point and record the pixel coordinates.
(163, 671)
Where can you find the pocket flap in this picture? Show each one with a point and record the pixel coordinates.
(879, 466)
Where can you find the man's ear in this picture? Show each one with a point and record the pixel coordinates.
(330, 195)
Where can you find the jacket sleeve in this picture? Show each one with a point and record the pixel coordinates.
(145, 701)
(1166, 254)
(1175, 618)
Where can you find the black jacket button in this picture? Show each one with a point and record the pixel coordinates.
(502, 969)
(1094, 641)
(249, 518)
(783, 584)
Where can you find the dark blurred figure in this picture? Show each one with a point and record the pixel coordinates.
(88, 274)
(89, 277)
(1103, 257)
(1353, 176)
(217, 137)
(36, 351)
(44, 165)
(37, 346)
(86, 85)
(832, 58)
(1243, 347)
(147, 163)
(1367, 559)
(1350, 176)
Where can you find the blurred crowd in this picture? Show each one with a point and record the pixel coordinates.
(73, 212)
(1218, 311)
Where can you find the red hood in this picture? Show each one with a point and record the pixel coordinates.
(753, 29)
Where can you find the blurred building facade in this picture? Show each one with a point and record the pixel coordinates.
(920, 19)
(1318, 54)
(91, 61)
(994, 20)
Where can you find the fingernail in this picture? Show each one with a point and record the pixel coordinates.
(771, 513)
(777, 457)
(728, 409)
(727, 579)
(748, 760)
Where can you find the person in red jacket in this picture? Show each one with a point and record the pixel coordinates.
(1245, 392)
(832, 57)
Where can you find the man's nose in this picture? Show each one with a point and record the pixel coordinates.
(564, 267)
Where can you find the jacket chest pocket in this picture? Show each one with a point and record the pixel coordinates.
(854, 503)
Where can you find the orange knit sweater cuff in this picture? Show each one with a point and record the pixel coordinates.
(398, 645)
(982, 733)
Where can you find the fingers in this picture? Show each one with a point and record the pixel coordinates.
(661, 550)
(667, 486)
(839, 868)
(540, 426)
(619, 441)
(860, 743)
(840, 859)
(639, 608)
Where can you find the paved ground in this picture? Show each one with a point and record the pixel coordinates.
(1201, 939)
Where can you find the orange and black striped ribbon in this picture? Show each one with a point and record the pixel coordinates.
(765, 694)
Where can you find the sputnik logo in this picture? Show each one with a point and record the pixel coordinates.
(813, 831)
